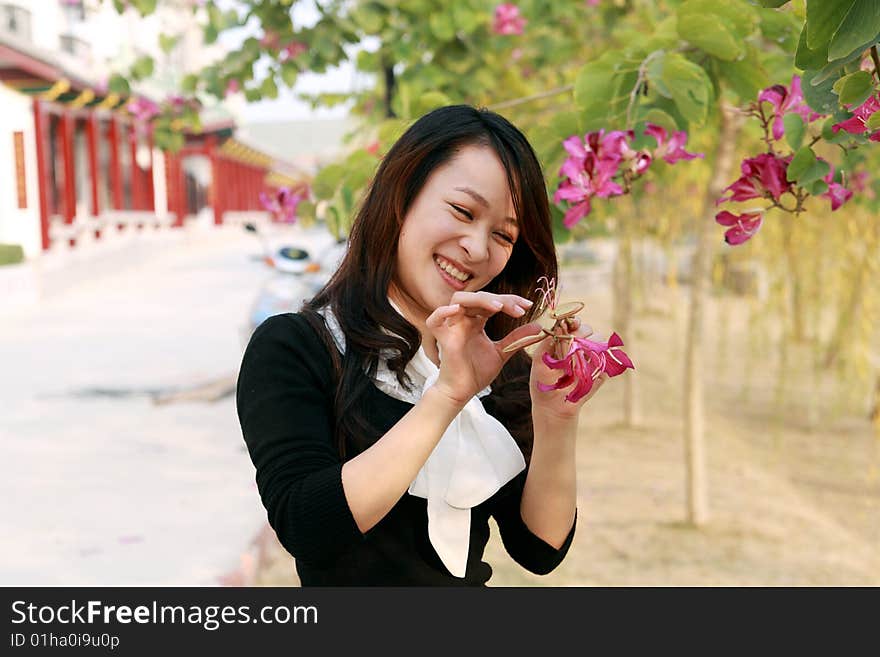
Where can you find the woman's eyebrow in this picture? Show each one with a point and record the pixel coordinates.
(479, 198)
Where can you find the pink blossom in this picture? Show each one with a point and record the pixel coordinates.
(742, 226)
(143, 109)
(786, 100)
(593, 3)
(270, 39)
(857, 124)
(293, 49)
(763, 176)
(282, 204)
(232, 87)
(588, 172)
(507, 19)
(671, 150)
(585, 361)
(837, 193)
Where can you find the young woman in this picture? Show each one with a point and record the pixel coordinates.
(385, 421)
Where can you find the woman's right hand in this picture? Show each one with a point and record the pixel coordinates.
(469, 359)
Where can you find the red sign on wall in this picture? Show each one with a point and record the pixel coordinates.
(21, 184)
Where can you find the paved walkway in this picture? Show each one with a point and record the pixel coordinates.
(100, 485)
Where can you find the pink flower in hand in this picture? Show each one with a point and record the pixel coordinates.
(507, 19)
(585, 362)
(671, 150)
(742, 226)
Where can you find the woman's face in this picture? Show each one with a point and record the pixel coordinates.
(458, 234)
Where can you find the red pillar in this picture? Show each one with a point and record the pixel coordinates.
(41, 131)
(151, 191)
(115, 172)
(92, 141)
(69, 169)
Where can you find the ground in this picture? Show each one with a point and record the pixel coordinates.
(793, 502)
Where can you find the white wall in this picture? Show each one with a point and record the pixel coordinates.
(18, 226)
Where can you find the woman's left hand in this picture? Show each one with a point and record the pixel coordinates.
(552, 404)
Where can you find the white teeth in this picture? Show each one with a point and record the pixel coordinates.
(452, 271)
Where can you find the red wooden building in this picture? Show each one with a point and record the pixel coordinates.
(96, 168)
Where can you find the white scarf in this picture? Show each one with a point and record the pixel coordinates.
(475, 457)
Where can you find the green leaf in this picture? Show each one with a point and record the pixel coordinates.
(818, 170)
(142, 67)
(823, 19)
(873, 122)
(855, 88)
(442, 26)
(167, 43)
(773, 3)
(802, 160)
(807, 58)
(289, 73)
(661, 118)
(746, 77)
(268, 88)
(709, 33)
(689, 85)
(820, 97)
(794, 130)
(594, 83)
(861, 24)
(118, 85)
(828, 134)
(817, 187)
(654, 73)
(327, 180)
(189, 83)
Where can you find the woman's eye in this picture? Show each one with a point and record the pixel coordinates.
(461, 210)
(507, 238)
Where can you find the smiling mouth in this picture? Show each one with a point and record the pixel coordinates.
(452, 271)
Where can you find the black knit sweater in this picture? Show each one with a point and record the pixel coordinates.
(285, 406)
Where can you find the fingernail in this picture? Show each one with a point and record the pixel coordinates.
(497, 305)
(518, 311)
(528, 303)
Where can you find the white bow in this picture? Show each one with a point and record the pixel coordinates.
(475, 457)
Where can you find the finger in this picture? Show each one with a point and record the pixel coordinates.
(512, 304)
(441, 314)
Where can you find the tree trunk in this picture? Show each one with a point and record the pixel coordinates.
(388, 73)
(623, 294)
(694, 413)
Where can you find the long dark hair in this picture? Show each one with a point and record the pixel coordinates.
(358, 290)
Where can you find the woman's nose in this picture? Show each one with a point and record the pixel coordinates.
(476, 243)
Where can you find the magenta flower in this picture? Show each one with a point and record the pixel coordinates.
(857, 124)
(763, 176)
(593, 3)
(786, 100)
(588, 172)
(143, 109)
(585, 361)
(671, 150)
(837, 193)
(507, 19)
(232, 87)
(742, 226)
(282, 205)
